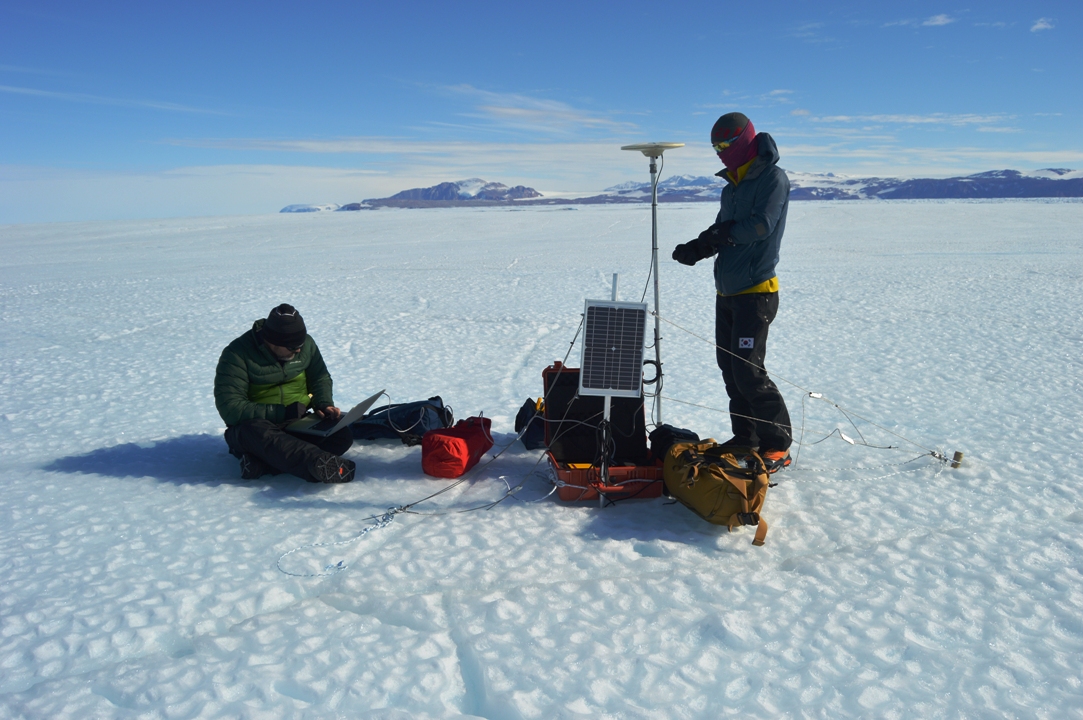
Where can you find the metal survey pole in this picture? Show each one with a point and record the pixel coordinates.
(657, 321)
(654, 151)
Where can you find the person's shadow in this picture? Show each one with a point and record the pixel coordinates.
(192, 458)
(205, 458)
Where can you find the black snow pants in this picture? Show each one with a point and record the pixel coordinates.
(757, 411)
(284, 451)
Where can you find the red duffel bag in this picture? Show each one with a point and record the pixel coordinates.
(450, 452)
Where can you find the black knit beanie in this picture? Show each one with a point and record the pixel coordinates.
(284, 327)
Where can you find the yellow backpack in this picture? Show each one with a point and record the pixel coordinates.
(723, 485)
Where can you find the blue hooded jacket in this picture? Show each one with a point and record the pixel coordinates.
(757, 206)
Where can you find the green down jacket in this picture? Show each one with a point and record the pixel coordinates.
(250, 382)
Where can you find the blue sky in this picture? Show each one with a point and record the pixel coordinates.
(116, 110)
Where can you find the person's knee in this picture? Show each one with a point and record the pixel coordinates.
(251, 431)
(751, 382)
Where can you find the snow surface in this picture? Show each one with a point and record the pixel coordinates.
(138, 572)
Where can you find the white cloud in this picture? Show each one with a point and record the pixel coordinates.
(386, 166)
(799, 112)
(1042, 24)
(99, 100)
(895, 161)
(522, 112)
(936, 20)
(29, 70)
(811, 32)
(572, 166)
(957, 120)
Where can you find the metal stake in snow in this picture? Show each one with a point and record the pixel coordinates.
(654, 151)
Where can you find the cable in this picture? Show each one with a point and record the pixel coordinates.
(445, 412)
(654, 250)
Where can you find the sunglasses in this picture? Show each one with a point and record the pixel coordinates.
(720, 146)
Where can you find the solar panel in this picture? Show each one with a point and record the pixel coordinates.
(612, 361)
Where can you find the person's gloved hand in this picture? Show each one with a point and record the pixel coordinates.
(705, 245)
(296, 410)
(688, 253)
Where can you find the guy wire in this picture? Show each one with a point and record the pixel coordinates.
(386, 518)
(815, 395)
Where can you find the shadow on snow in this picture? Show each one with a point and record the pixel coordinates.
(188, 457)
(200, 458)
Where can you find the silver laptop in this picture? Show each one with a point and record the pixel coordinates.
(315, 425)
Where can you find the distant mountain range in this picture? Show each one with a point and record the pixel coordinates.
(1049, 182)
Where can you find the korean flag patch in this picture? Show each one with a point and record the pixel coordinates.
(746, 343)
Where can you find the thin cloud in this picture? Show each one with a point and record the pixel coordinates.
(347, 145)
(811, 32)
(841, 134)
(799, 112)
(585, 166)
(932, 119)
(960, 157)
(781, 97)
(430, 150)
(99, 100)
(807, 28)
(937, 20)
(934, 21)
(534, 114)
(1042, 24)
(30, 71)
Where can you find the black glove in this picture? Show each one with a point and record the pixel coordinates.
(705, 245)
(297, 410)
(688, 253)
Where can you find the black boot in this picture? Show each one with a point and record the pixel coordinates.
(332, 469)
(252, 467)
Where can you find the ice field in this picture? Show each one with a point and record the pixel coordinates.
(138, 572)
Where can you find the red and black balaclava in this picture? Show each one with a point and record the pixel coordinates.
(736, 129)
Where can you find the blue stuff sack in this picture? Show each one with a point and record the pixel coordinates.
(407, 422)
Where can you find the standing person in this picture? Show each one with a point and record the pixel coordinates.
(266, 379)
(746, 237)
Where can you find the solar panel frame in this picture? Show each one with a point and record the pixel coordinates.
(612, 357)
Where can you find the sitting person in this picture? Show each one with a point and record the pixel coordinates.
(266, 379)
